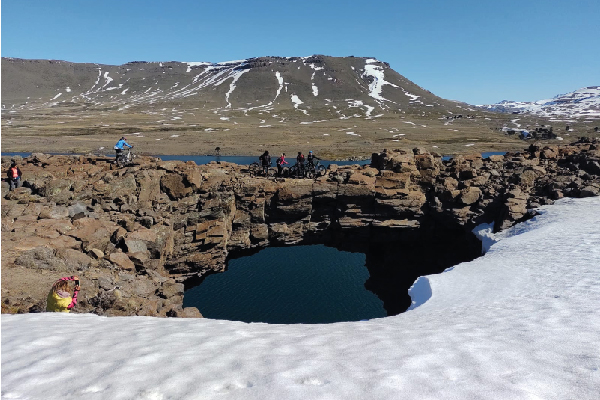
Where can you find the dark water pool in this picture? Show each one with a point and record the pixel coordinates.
(286, 285)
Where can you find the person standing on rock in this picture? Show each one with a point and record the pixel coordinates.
(119, 147)
(300, 165)
(59, 298)
(280, 163)
(265, 160)
(311, 158)
(14, 176)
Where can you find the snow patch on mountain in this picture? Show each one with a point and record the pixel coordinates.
(376, 73)
(296, 100)
(236, 76)
(280, 81)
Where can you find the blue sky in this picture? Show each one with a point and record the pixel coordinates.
(474, 51)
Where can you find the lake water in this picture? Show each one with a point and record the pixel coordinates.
(246, 160)
(241, 160)
(286, 285)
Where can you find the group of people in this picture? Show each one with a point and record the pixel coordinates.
(301, 162)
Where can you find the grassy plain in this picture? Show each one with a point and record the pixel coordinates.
(76, 129)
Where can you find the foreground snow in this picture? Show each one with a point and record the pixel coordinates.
(521, 322)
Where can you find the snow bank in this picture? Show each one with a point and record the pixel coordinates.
(520, 322)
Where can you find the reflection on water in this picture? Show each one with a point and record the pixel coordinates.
(287, 285)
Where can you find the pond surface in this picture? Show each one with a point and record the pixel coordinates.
(241, 160)
(246, 160)
(486, 154)
(287, 285)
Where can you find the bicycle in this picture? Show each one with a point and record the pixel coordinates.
(256, 169)
(285, 172)
(297, 171)
(125, 158)
(315, 170)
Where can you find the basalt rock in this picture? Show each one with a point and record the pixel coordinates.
(135, 235)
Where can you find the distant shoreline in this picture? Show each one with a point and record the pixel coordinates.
(242, 159)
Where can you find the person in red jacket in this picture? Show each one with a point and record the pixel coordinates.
(14, 176)
(280, 163)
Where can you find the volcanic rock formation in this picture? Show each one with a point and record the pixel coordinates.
(135, 235)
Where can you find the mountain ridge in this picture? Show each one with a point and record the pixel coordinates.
(342, 107)
(316, 81)
(580, 103)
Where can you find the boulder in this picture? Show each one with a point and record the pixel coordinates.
(189, 312)
(470, 195)
(212, 232)
(93, 233)
(589, 191)
(74, 260)
(171, 289)
(174, 187)
(29, 242)
(149, 190)
(139, 259)
(259, 232)
(193, 177)
(96, 253)
(41, 258)
(77, 210)
(369, 171)
(425, 161)
(136, 246)
(58, 191)
(22, 195)
(121, 260)
(361, 179)
(122, 188)
(158, 240)
(54, 212)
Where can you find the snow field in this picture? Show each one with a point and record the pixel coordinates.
(520, 322)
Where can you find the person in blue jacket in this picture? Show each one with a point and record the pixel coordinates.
(119, 147)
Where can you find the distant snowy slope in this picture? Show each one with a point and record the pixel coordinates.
(521, 322)
(581, 103)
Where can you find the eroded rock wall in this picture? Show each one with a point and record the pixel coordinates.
(135, 234)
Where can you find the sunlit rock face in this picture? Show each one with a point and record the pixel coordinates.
(134, 235)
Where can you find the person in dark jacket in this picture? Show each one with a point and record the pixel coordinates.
(14, 176)
(300, 165)
(265, 160)
(311, 158)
